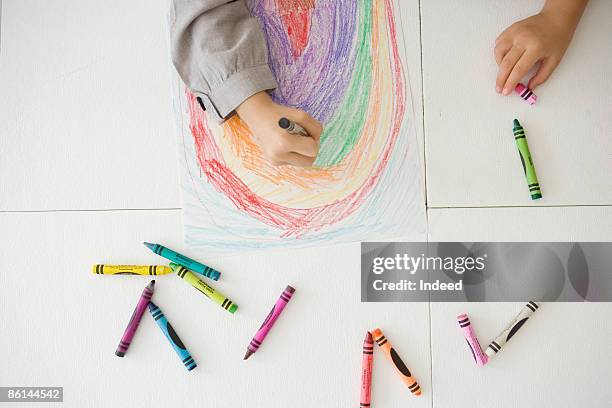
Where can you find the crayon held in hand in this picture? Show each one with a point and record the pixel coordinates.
(468, 332)
(205, 288)
(130, 330)
(172, 337)
(527, 162)
(182, 260)
(512, 328)
(399, 365)
(263, 331)
(366, 370)
(131, 270)
(292, 127)
(526, 93)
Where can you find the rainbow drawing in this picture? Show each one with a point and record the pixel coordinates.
(343, 62)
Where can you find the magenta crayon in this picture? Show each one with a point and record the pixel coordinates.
(366, 369)
(468, 332)
(130, 330)
(526, 93)
(263, 331)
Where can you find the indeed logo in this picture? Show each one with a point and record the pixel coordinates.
(412, 264)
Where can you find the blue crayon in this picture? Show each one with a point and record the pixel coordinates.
(184, 261)
(172, 337)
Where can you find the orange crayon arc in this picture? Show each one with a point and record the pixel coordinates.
(400, 366)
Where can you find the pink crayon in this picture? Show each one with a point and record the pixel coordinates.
(261, 334)
(130, 330)
(366, 370)
(464, 322)
(526, 93)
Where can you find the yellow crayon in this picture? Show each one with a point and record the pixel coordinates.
(208, 291)
(131, 270)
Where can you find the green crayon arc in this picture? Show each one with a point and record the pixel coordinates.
(526, 160)
(342, 131)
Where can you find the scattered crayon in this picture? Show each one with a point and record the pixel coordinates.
(512, 328)
(526, 93)
(130, 330)
(184, 261)
(205, 288)
(399, 365)
(366, 370)
(172, 337)
(131, 270)
(468, 332)
(525, 155)
(265, 327)
(292, 127)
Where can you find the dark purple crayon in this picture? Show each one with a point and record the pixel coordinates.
(130, 330)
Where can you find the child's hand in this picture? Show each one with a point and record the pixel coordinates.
(542, 38)
(261, 115)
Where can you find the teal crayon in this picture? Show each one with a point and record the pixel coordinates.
(182, 260)
(172, 337)
(525, 155)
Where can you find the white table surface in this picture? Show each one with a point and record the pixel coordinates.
(88, 171)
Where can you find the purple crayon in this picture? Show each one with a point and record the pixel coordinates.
(261, 334)
(130, 330)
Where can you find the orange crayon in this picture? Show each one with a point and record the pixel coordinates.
(399, 365)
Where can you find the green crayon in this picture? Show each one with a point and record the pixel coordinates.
(525, 155)
(208, 291)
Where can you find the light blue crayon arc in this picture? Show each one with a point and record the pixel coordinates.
(182, 260)
(172, 337)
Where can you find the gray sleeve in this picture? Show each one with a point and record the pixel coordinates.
(220, 53)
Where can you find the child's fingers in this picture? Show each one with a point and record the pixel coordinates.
(310, 124)
(501, 49)
(521, 68)
(296, 159)
(547, 68)
(506, 66)
(305, 146)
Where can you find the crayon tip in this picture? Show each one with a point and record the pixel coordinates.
(247, 354)
(516, 123)
(151, 284)
(149, 245)
(368, 338)
(174, 266)
(119, 353)
(284, 123)
(152, 306)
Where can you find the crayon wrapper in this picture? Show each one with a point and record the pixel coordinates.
(366, 378)
(206, 289)
(511, 329)
(474, 345)
(131, 270)
(270, 320)
(398, 363)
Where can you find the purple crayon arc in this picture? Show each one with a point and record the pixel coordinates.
(132, 326)
(266, 326)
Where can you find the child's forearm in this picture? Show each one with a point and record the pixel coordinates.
(568, 10)
(220, 52)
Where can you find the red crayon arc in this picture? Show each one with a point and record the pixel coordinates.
(296, 16)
